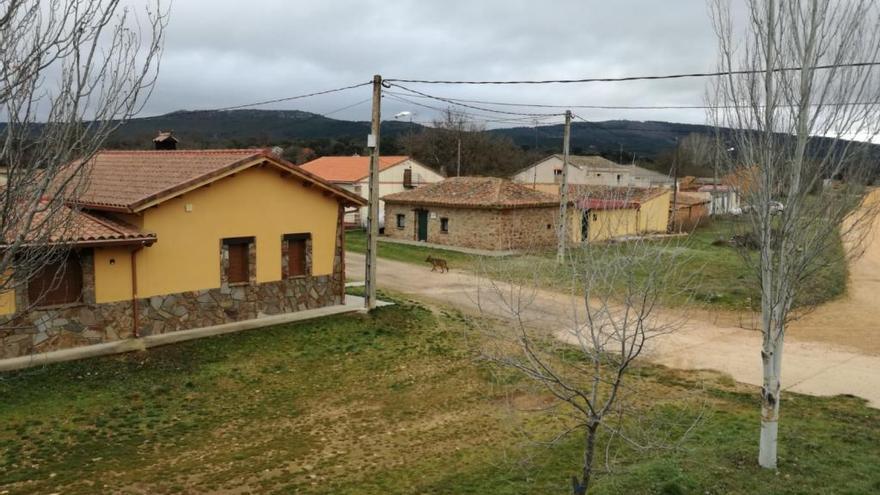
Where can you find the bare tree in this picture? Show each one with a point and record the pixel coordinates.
(481, 152)
(71, 72)
(583, 346)
(794, 99)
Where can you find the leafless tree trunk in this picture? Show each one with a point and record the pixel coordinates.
(581, 346)
(71, 72)
(792, 130)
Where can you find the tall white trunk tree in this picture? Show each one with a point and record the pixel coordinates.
(799, 106)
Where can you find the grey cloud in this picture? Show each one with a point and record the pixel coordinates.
(223, 52)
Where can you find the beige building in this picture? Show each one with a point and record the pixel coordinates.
(474, 212)
(602, 213)
(396, 174)
(546, 175)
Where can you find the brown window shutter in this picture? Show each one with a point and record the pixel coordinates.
(296, 257)
(57, 283)
(407, 178)
(238, 263)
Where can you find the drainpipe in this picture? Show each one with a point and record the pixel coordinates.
(134, 298)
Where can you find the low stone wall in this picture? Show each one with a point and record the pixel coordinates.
(51, 329)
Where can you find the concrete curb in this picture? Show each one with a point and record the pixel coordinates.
(352, 304)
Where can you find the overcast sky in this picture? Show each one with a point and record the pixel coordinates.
(223, 52)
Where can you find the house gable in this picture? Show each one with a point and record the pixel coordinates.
(256, 202)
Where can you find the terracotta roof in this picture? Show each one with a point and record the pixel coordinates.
(348, 168)
(474, 192)
(129, 180)
(76, 227)
(611, 198)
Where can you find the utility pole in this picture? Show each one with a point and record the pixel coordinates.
(373, 209)
(563, 190)
(458, 158)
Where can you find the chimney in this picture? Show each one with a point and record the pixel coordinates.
(165, 140)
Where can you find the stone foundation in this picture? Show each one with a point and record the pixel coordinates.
(89, 323)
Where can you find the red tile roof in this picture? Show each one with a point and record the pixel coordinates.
(474, 192)
(611, 198)
(75, 227)
(128, 180)
(348, 169)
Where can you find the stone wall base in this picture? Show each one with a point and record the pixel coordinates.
(88, 324)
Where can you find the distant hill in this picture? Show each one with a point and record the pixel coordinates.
(200, 129)
(243, 128)
(644, 139)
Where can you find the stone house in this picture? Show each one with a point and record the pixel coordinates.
(474, 212)
(546, 174)
(352, 173)
(169, 240)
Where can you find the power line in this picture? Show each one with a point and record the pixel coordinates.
(591, 107)
(486, 118)
(289, 98)
(275, 100)
(447, 100)
(637, 78)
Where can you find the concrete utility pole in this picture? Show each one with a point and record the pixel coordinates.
(373, 209)
(563, 189)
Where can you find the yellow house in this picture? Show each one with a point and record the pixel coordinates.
(169, 240)
(603, 213)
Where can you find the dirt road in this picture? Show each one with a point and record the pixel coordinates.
(812, 365)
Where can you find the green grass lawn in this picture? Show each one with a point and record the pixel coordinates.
(392, 402)
(707, 275)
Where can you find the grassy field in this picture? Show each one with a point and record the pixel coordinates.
(708, 275)
(393, 402)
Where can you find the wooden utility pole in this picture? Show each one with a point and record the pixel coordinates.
(373, 209)
(458, 158)
(563, 190)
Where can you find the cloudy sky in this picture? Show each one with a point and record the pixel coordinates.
(222, 52)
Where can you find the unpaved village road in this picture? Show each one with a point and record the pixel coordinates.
(823, 354)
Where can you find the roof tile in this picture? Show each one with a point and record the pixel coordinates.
(347, 168)
(474, 192)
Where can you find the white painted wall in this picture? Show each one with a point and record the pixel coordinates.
(390, 181)
(548, 171)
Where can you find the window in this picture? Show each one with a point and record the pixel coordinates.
(444, 225)
(407, 178)
(557, 175)
(297, 246)
(401, 220)
(618, 177)
(238, 260)
(57, 283)
(358, 188)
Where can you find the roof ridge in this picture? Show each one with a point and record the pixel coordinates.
(181, 152)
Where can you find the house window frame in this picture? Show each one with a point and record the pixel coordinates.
(400, 221)
(444, 225)
(285, 254)
(251, 242)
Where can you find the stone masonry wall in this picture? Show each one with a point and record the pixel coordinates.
(89, 323)
(479, 228)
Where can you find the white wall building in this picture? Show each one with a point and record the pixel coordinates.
(724, 199)
(589, 170)
(396, 174)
